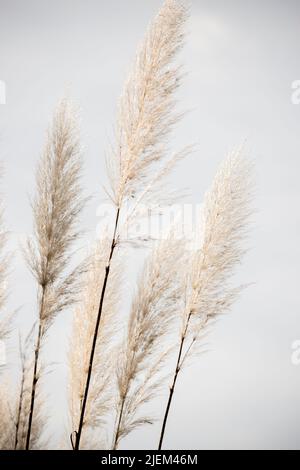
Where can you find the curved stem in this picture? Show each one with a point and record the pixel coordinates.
(117, 434)
(21, 396)
(34, 381)
(95, 336)
(172, 388)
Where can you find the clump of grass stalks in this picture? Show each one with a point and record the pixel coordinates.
(140, 160)
(118, 363)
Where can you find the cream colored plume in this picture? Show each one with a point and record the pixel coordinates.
(141, 158)
(154, 309)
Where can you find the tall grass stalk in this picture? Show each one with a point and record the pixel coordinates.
(56, 207)
(140, 159)
(208, 292)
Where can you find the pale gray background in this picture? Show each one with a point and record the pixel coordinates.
(242, 57)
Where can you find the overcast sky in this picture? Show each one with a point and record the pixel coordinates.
(242, 58)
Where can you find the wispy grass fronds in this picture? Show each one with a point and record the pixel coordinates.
(23, 398)
(103, 384)
(140, 159)
(56, 207)
(23, 407)
(226, 215)
(15, 406)
(156, 303)
(6, 415)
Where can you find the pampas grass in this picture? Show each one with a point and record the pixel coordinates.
(23, 399)
(122, 341)
(56, 207)
(146, 116)
(15, 403)
(103, 385)
(6, 416)
(208, 292)
(145, 348)
(140, 158)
